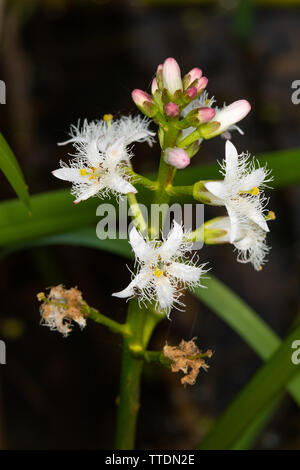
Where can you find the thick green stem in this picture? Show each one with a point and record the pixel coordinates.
(141, 322)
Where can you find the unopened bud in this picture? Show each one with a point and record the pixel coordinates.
(154, 86)
(201, 84)
(144, 102)
(176, 157)
(190, 77)
(171, 110)
(171, 76)
(191, 92)
(229, 116)
(200, 116)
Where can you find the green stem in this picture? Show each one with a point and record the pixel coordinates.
(141, 323)
(139, 179)
(136, 213)
(180, 190)
(114, 326)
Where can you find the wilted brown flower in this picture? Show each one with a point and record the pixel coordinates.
(188, 358)
(60, 308)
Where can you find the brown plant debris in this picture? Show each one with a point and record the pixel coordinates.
(60, 308)
(188, 358)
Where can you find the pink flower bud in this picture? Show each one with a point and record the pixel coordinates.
(176, 157)
(144, 102)
(194, 74)
(231, 114)
(154, 86)
(171, 75)
(140, 96)
(191, 92)
(205, 115)
(201, 84)
(171, 110)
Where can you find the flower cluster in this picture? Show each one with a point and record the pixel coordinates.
(185, 116)
(185, 101)
(102, 156)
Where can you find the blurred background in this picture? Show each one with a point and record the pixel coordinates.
(63, 60)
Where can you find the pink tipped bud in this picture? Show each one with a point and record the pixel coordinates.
(144, 102)
(154, 86)
(177, 157)
(199, 116)
(201, 84)
(194, 74)
(231, 114)
(171, 76)
(191, 92)
(205, 115)
(159, 77)
(171, 110)
(140, 96)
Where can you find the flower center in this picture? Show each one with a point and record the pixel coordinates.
(95, 173)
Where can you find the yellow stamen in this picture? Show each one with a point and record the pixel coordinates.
(158, 272)
(108, 118)
(82, 171)
(260, 268)
(91, 177)
(254, 191)
(270, 215)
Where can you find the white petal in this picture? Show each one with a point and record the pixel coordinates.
(171, 245)
(119, 184)
(141, 280)
(70, 174)
(92, 153)
(142, 250)
(231, 159)
(217, 188)
(185, 272)
(164, 292)
(234, 223)
(254, 212)
(88, 192)
(254, 179)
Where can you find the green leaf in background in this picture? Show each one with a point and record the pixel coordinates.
(13, 172)
(266, 385)
(244, 320)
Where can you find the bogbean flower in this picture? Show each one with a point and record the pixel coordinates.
(250, 240)
(101, 155)
(163, 270)
(240, 192)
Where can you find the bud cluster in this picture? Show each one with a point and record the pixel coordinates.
(184, 114)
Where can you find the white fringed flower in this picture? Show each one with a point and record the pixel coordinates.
(101, 153)
(239, 192)
(250, 240)
(163, 270)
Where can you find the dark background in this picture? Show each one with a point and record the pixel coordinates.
(64, 60)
